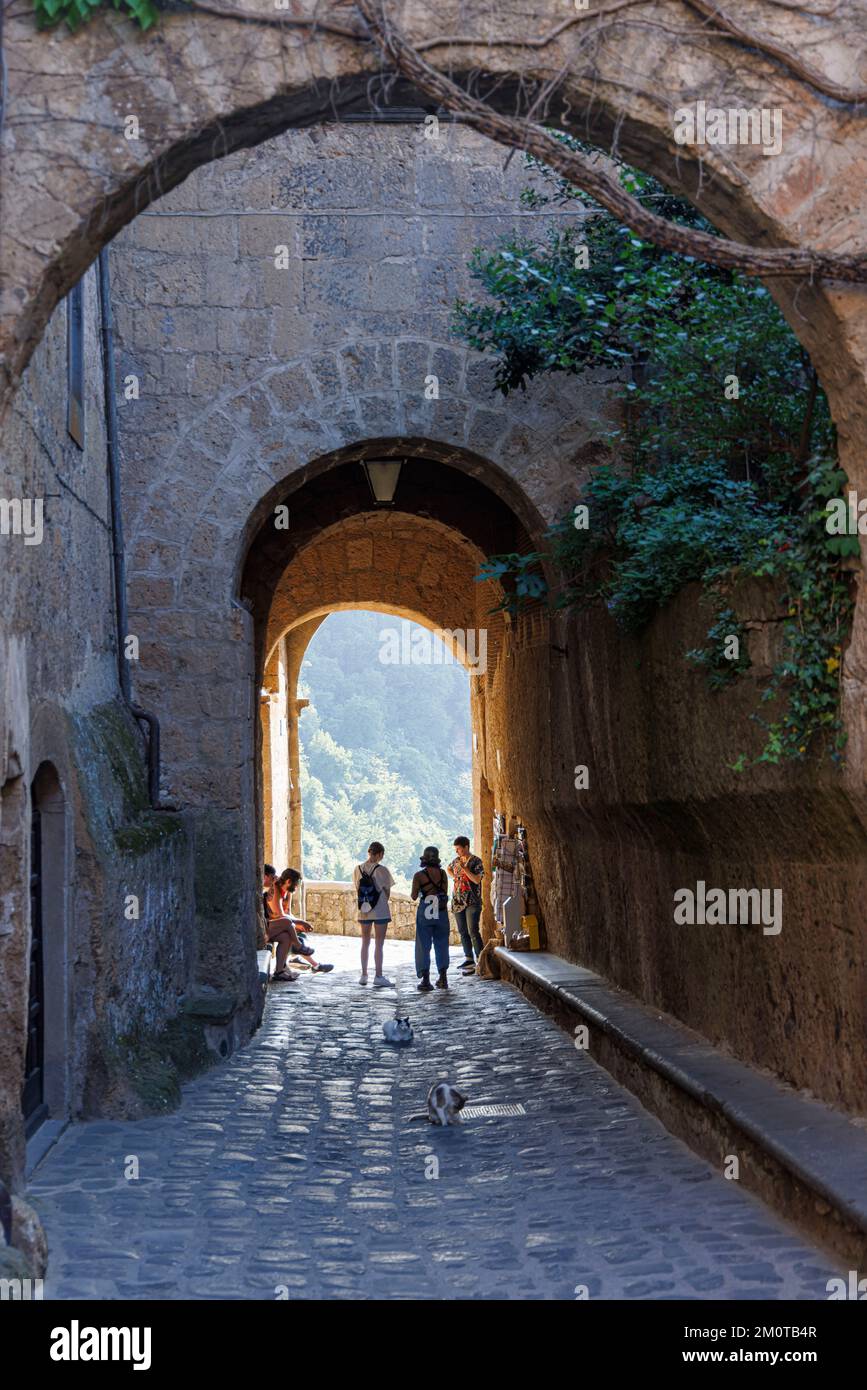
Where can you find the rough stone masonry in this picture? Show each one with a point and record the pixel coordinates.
(260, 386)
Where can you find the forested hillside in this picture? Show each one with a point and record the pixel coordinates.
(385, 751)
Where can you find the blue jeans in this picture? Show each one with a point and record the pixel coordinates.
(430, 931)
(468, 925)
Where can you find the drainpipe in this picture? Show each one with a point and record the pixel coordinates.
(117, 548)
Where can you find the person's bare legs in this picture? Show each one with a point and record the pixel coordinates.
(380, 928)
(365, 945)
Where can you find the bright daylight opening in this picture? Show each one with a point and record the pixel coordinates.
(386, 747)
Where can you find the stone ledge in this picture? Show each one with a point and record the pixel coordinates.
(331, 907)
(267, 964)
(209, 1006)
(803, 1158)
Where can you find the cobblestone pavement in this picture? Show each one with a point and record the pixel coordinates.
(293, 1171)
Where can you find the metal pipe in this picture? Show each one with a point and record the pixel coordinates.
(117, 544)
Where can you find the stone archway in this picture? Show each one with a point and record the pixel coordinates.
(204, 637)
(208, 83)
(205, 85)
(403, 565)
(418, 560)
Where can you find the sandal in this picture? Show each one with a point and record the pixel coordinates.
(322, 969)
(285, 976)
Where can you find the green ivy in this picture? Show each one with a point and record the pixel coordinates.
(718, 480)
(74, 13)
(721, 663)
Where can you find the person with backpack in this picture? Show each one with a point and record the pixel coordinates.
(373, 885)
(430, 887)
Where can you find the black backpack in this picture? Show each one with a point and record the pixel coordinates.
(368, 893)
(440, 893)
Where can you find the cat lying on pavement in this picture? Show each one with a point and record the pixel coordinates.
(398, 1030)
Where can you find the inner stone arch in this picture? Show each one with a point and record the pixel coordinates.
(418, 560)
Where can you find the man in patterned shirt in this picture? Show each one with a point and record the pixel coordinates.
(467, 870)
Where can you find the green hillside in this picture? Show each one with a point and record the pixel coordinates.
(386, 751)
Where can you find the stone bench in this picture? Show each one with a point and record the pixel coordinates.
(803, 1158)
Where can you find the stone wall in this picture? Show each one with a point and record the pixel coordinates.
(664, 810)
(57, 605)
(331, 907)
(117, 954)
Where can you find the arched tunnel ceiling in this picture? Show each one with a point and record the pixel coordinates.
(428, 491)
(392, 562)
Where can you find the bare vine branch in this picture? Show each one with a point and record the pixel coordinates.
(541, 41)
(578, 169)
(726, 27)
(278, 21)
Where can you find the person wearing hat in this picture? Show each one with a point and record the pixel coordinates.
(430, 889)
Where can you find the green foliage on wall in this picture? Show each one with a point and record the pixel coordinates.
(74, 13)
(721, 468)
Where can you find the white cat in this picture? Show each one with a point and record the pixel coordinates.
(443, 1103)
(398, 1030)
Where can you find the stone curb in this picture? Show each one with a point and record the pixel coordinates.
(803, 1158)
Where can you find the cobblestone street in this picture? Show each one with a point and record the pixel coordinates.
(293, 1170)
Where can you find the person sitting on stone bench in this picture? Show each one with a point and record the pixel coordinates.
(281, 928)
(287, 883)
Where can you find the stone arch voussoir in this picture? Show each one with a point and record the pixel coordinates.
(204, 84)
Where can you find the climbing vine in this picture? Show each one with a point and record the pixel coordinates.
(726, 451)
(74, 13)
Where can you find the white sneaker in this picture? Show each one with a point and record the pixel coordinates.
(380, 982)
(363, 980)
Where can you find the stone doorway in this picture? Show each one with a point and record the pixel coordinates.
(393, 702)
(45, 1095)
(417, 561)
